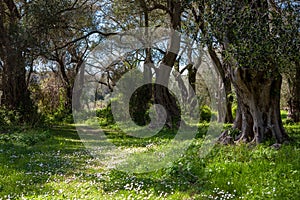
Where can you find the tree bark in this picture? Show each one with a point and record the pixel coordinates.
(16, 95)
(142, 97)
(226, 83)
(162, 95)
(258, 99)
(294, 98)
(192, 74)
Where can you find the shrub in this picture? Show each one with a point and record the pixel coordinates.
(205, 113)
(105, 116)
(27, 137)
(12, 118)
(9, 117)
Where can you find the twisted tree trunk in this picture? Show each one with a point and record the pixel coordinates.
(258, 116)
(162, 94)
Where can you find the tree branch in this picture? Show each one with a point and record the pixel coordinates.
(186, 67)
(73, 7)
(12, 8)
(84, 37)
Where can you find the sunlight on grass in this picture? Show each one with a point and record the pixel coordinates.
(54, 164)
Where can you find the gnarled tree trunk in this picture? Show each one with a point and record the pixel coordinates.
(258, 116)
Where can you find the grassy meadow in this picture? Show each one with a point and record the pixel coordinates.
(54, 164)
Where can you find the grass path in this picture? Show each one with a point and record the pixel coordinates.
(34, 170)
(53, 164)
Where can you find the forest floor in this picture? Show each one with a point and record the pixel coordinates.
(54, 164)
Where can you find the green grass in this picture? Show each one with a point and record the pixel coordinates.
(53, 164)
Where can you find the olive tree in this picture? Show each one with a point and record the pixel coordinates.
(253, 37)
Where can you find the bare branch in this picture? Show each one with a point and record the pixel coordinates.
(84, 37)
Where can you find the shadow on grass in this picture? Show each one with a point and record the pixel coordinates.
(228, 172)
(119, 138)
(31, 170)
(26, 169)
